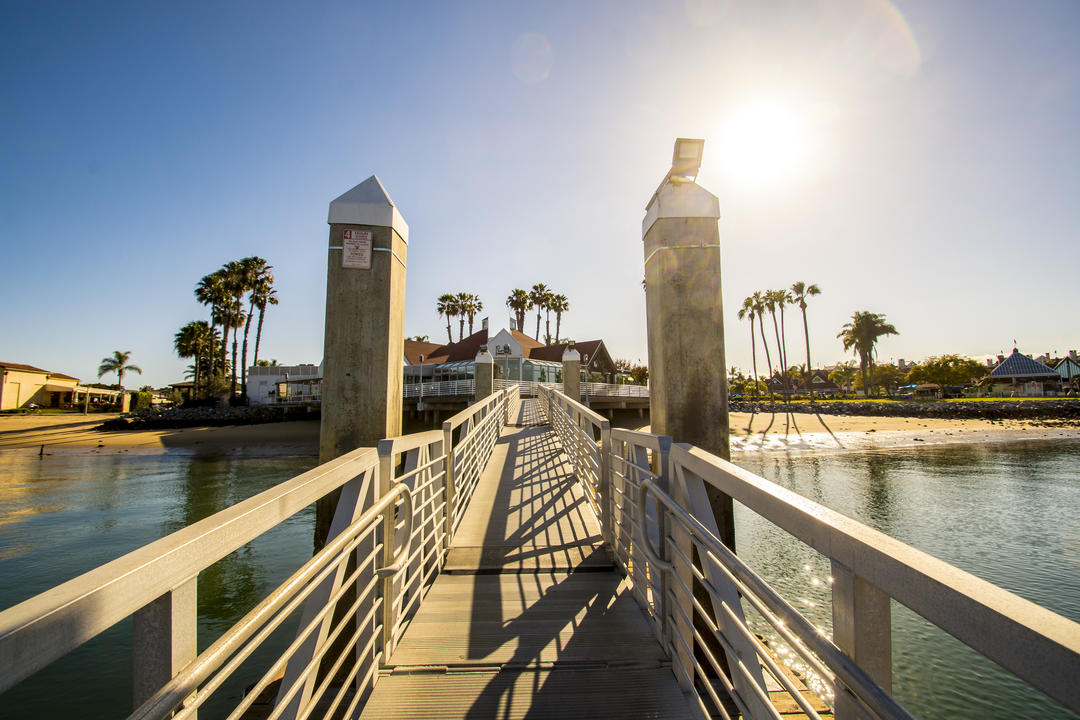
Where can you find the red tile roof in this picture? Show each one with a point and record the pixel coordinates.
(30, 368)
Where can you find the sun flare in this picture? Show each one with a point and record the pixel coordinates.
(764, 143)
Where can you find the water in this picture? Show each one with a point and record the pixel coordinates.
(68, 513)
(1007, 513)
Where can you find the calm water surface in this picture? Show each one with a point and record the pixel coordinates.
(1007, 513)
(65, 514)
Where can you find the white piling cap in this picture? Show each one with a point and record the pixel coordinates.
(368, 204)
(484, 357)
(571, 355)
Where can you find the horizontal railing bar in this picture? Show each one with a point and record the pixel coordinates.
(43, 628)
(1034, 643)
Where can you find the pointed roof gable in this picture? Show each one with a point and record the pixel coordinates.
(1018, 365)
(415, 348)
(368, 204)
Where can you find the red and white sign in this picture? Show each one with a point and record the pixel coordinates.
(356, 249)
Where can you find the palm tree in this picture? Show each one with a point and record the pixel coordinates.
(538, 297)
(519, 302)
(264, 294)
(748, 311)
(560, 304)
(118, 364)
(776, 300)
(255, 275)
(471, 306)
(760, 307)
(862, 334)
(236, 279)
(549, 303)
(799, 292)
(211, 291)
(464, 302)
(194, 340)
(447, 305)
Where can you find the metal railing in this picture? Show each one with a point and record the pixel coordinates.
(533, 389)
(395, 516)
(527, 388)
(614, 390)
(443, 388)
(664, 538)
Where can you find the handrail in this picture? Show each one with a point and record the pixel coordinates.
(388, 540)
(664, 539)
(1036, 644)
(192, 676)
(43, 628)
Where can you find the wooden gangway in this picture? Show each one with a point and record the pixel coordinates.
(529, 560)
(529, 617)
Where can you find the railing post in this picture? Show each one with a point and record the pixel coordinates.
(165, 640)
(605, 482)
(862, 628)
(451, 494)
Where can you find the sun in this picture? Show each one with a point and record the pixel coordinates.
(764, 143)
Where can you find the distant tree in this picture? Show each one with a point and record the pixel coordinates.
(800, 291)
(519, 302)
(257, 280)
(195, 340)
(749, 311)
(263, 294)
(272, 362)
(559, 305)
(211, 291)
(862, 334)
(887, 377)
(947, 370)
(118, 364)
(447, 305)
(760, 306)
(418, 338)
(538, 296)
(469, 305)
(844, 376)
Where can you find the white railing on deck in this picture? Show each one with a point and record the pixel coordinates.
(613, 390)
(664, 537)
(443, 388)
(395, 516)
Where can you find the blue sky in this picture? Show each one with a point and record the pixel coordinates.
(925, 163)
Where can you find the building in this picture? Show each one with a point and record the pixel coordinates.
(517, 357)
(283, 384)
(23, 386)
(1022, 376)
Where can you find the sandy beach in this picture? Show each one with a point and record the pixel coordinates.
(76, 433)
(799, 433)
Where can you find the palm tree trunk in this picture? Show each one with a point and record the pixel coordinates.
(806, 333)
(449, 332)
(461, 328)
(232, 390)
(243, 356)
(538, 325)
(768, 358)
(258, 335)
(558, 324)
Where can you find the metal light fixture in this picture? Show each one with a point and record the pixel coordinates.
(686, 159)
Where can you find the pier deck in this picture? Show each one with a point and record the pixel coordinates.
(529, 618)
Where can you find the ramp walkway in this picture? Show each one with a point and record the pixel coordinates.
(529, 617)
(529, 560)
